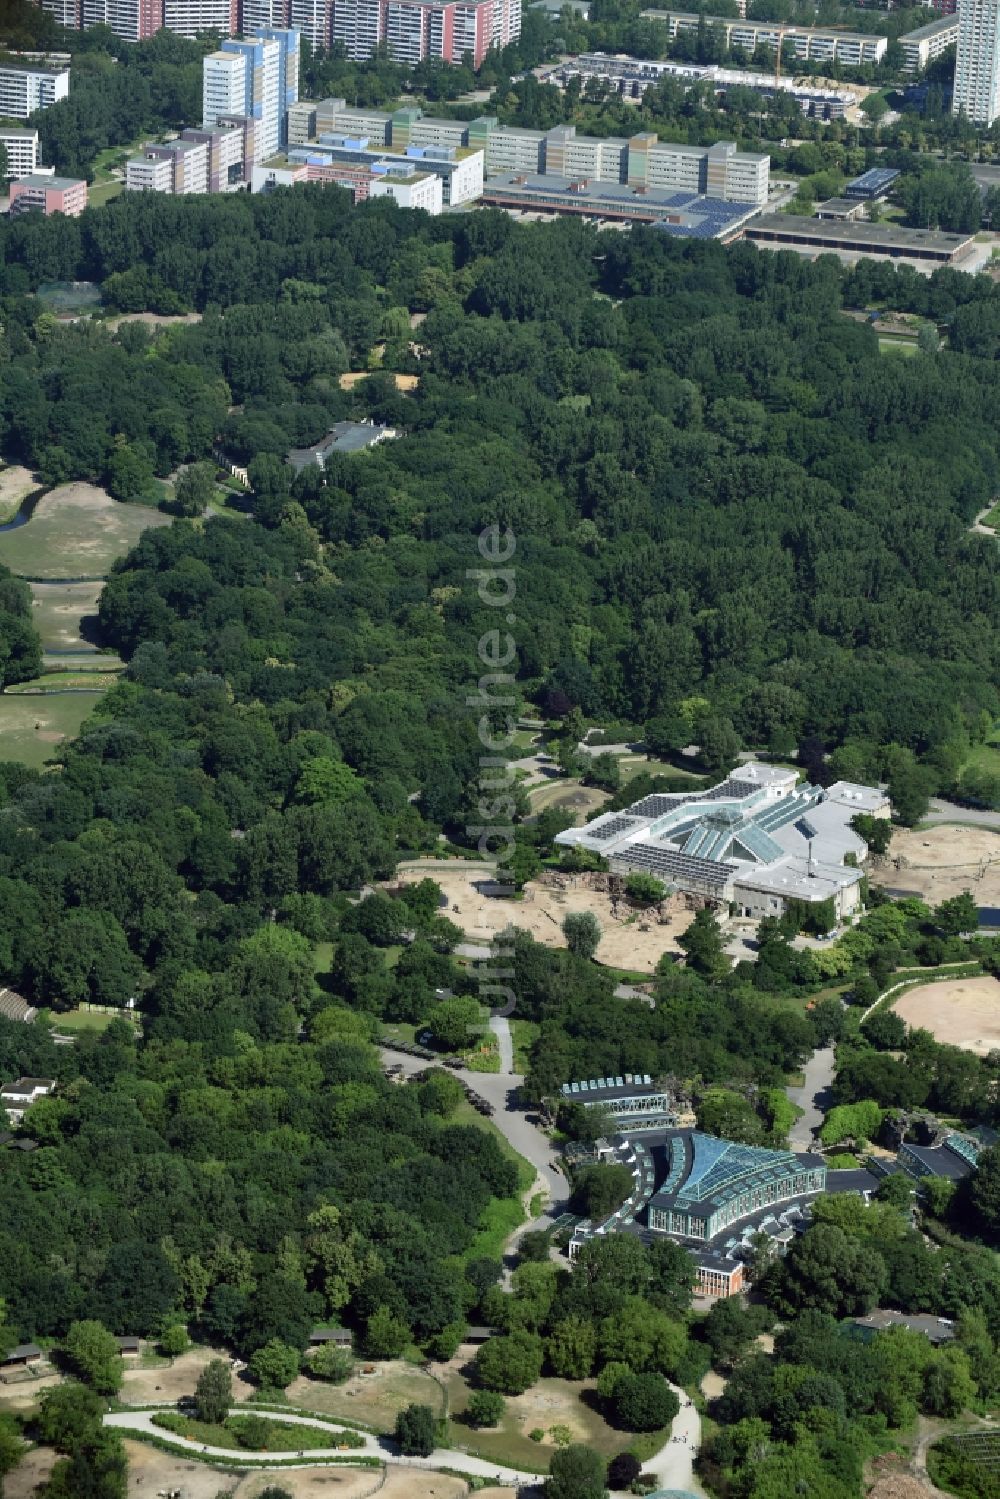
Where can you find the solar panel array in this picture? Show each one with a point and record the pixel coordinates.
(656, 805)
(673, 865)
(612, 828)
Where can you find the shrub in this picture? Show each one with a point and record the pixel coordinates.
(486, 1408)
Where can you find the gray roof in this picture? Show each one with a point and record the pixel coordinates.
(888, 238)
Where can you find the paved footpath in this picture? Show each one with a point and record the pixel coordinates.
(141, 1422)
(673, 1465)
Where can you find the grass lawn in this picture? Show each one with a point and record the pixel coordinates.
(90, 678)
(89, 1020)
(58, 610)
(985, 757)
(32, 728)
(77, 531)
(103, 192)
(550, 1403)
(524, 1034)
(400, 1031)
(373, 1399)
(993, 518)
(504, 1214)
(276, 1436)
(889, 345)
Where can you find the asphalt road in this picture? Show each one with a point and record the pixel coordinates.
(942, 811)
(813, 1098)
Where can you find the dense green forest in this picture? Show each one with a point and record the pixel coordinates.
(727, 505)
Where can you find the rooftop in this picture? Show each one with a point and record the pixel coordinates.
(887, 237)
(704, 1172)
(42, 179)
(674, 212)
(933, 28)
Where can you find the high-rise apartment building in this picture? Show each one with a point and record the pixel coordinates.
(23, 90)
(414, 30)
(311, 18)
(63, 12)
(132, 20)
(288, 71)
(257, 78)
(192, 17)
(21, 147)
(977, 65)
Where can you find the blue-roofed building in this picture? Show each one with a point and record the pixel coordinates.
(875, 183)
(680, 213)
(712, 1184)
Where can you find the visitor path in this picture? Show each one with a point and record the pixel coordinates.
(140, 1423)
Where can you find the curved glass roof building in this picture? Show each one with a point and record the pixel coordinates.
(711, 1184)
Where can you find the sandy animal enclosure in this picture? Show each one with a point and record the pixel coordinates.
(168, 1384)
(960, 1012)
(543, 910)
(943, 861)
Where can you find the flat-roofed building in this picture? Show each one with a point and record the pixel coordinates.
(192, 17)
(922, 46)
(409, 188)
(844, 209)
(49, 195)
(755, 841)
(685, 214)
(810, 43)
(784, 231)
(460, 171)
(199, 161)
(23, 90)
(632, 76)
(21, 147)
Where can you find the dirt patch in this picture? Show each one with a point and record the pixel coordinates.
(151, 319)
(151, 1472)
(943, 861)
(960, 1012)
(403, 382)
(336, 1483)
(32, 1470)
(712, 1385)
(374, 1399)
(581, 801)
(624, 943)
(167, 1385)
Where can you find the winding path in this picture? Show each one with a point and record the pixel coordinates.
(673, 1465)
(813, 1098)
(141, 1423)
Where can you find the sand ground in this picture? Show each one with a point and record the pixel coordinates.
(943, 861)
(962, 1012)
(30, 1472)
(638, 944)
(152, 319)
(147, 1386)
(152, 1472)
(403, 382)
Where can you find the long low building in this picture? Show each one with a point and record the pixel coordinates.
(786, 231)
(811, 43)
(632, 76)
(682, 214)
(756, 841)
(641, 160)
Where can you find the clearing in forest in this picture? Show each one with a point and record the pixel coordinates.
(76, 531)
(959, 1012)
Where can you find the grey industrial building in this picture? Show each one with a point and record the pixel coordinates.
(787, 231)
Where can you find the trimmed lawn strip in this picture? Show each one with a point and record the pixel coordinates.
(281, 1436)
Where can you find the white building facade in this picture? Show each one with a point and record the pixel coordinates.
(23, 90)
(977, 66)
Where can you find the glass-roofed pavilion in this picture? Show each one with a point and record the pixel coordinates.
(711, 1184)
